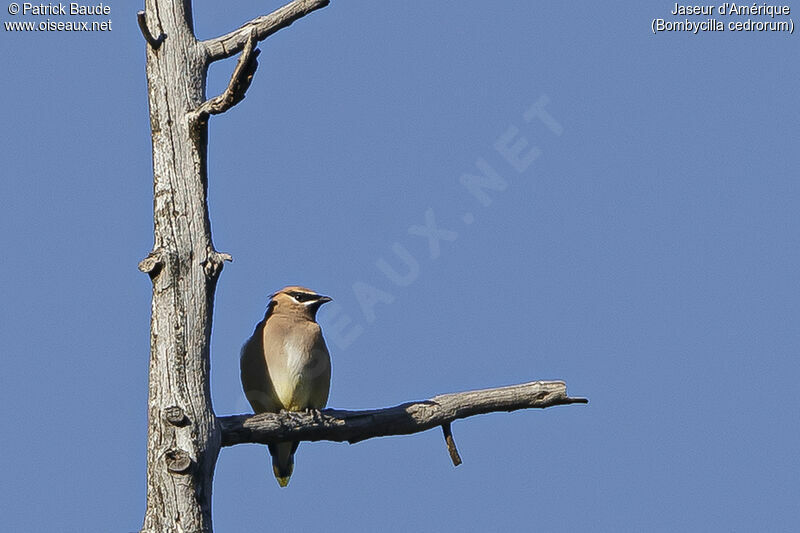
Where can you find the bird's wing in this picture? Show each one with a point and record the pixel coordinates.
(255, 378)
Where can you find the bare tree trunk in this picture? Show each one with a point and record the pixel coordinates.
(184, 436)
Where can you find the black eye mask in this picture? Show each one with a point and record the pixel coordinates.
(302, 296)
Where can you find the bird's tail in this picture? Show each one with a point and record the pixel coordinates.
(283, 460)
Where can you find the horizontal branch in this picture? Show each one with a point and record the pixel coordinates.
(233, 42)
(412, 417)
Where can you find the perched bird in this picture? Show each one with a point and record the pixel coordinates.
(285, 365)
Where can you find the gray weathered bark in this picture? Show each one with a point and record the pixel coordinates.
(184, 436)
(412, 417)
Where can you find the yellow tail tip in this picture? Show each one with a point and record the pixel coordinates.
(283, 480)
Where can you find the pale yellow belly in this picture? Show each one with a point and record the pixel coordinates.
(296, 387)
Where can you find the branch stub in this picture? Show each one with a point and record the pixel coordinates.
(151, 265)
(154, 42)
(178, 461)
(213, 264)
(175, 416)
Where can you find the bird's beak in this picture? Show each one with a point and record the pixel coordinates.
(324, 299)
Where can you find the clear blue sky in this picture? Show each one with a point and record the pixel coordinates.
(649, 256)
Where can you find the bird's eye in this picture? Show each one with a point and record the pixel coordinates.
(302, 296)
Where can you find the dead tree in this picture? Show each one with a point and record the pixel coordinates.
(184, 435)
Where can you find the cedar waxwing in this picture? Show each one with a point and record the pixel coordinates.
(285, 365)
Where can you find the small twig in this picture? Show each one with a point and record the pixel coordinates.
(240, 81)
(231, 43)
(451, 444)
(152, 41)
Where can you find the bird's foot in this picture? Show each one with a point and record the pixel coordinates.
(316, 414)
(289, 415)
